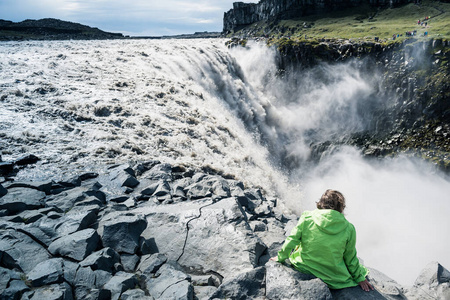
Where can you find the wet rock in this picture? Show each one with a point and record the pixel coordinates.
(104, 259)
(47, 272)
(20, 199)
(27, 160)
(170, 282)
(283, 282)
(18, 250)
(120, 283)
(77, 245)
(122, 231)
(247, 285)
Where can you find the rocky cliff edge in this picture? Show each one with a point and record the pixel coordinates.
(152, 230)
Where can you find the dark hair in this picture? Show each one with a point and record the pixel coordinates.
(332, 199)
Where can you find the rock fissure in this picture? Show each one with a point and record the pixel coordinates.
(187, 228)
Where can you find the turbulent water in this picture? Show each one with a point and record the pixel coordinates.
(83, 105)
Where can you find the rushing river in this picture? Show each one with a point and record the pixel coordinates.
(84, 105)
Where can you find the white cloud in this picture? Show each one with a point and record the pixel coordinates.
(174, 16)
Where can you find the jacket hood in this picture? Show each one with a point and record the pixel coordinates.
(329, 221)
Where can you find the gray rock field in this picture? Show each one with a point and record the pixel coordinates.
(157, 231)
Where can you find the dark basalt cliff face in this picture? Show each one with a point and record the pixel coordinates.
(244, 14)
(414, 75)
(51, 29)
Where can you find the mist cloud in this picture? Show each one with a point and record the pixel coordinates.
(399, 206)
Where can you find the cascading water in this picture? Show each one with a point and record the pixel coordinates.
(83, 105)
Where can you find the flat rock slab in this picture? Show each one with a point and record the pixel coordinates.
(284, 282)
(18, 250)
(20, 199)
(211, 226)
(170, 283)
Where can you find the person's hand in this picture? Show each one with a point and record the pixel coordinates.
(365, 285)
(275, 258)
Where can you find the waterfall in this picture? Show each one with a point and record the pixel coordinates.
(81, 105)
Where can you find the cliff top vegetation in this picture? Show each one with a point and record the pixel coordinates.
(362, 23)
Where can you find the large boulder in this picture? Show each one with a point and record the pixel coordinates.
(47, 272)
(123, 176)
(88, 284)
(122, 232)
(284, 282)
(20, 199)
(104, 259)
(77, 245)
(68, 198)
(199, 230)
(78, 218)
(18, 250)
(248, 285)
(433, 280)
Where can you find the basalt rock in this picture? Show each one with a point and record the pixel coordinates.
(215, 243)
(243, 14)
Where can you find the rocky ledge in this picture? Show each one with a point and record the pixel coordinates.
(152, 230)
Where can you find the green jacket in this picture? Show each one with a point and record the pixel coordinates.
(324, 243)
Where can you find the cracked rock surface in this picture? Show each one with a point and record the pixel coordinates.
(140, 232)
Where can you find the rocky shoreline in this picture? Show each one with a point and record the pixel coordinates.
(152, 230)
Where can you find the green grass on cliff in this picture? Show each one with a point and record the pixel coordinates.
(363, 22)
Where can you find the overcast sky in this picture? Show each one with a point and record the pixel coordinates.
(130, 17)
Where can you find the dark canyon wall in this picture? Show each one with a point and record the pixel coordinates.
(244, 14)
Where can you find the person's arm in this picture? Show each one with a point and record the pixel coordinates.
(357, 271)
(291, 242)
